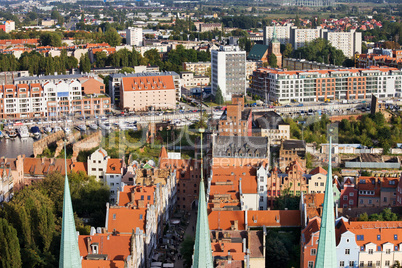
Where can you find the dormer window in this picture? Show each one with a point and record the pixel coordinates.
(94, 248)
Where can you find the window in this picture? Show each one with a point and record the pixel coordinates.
(347, 251)
(378, 237)
(370, 251)
(310, 264)
(148, 197)
(342, 264)
(351, 264)
(261, 188)
(378, 263)
(388, 251)
(313, 252)
(395, 237)
(387, 263)
(141, 216)
(362, 264)
(345, 197)
(370, 264)
(351, 194)
(360, 238)
(114, 216)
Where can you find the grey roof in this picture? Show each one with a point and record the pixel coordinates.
(142, 74)
(269, 120)
(293, 144)
(50, 77)
(241, 147)
(244, 114)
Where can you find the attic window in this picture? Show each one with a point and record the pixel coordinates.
(113, 168)
(94, 248)
(142, 197)
(141, 216)
(395, 237)
(114, 216)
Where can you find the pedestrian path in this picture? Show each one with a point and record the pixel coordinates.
(190, 231)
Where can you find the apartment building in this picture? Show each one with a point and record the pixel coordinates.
(198, 68)
(189, 80)
(270, 124)
(302, 64)
(349, 42)
(319, 85)
(49, 99)
(359, 243)
(141, 93)
(282, 34)
(290, 151)
(236, 120)
(228, 71)
(134, 36)
(115, 83)
(208, 27)
(300, 37)
(7, 26)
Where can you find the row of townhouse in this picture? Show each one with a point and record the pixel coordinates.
(47, 97)
(319, 85)
(133, 226)
(359, 243)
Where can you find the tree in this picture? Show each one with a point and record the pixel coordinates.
(9, 246)
(186, 250)
(128, 70)
(50, 39)
(272, 60)
(277, 254)
(363, 217)
(85, 64)
(100, 59)
(218, 96)
(56, 16)
(287, 53)
(112, 37)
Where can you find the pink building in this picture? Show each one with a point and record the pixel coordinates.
(349, 193)
(147, 92)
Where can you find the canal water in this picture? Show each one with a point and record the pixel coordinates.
(11, 148)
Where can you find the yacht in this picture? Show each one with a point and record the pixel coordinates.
(67, 130)
(131, 126)
(57, 128)
(12, 133)
(48, 129)
(105, 126)
(81, 127)
(23, 131)
(93, 126)
(35, 131)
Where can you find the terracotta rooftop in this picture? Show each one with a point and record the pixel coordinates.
(114, 166)
(148, 83)
(117, 247)
(224, 220)
(125, 220)
(274, 218)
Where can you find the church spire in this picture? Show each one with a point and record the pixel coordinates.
(326, 252)
(274, 39)
(202, 257)
(69, 252)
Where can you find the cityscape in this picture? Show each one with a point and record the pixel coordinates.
(200, 134)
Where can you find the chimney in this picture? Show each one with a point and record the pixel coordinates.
(229, 258)
(236, 225)
(88, 242)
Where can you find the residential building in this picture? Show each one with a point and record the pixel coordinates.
(144, 93)
(377, 192)
(282, 34)
(16, 166)
(189, 80)
(134, 36)
(316, 183)
(113, 175)
(116, 80)
(7, 26)
(349, 194)
(49, 22)
(314, 3)
(198, 68)
(319, 85)
(97, 163)
(302, 64)
(292, 150)
(309, 243)
(236, 120)
(270, 124)
(92, 85)
(228, 71)
(209, 27)
(349, 42)
(300, 37)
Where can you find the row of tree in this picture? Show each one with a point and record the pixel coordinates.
(30, 224)
(124, 58)
(36, 63)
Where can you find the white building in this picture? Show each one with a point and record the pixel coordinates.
(134, 36)
(349, 42)
(282, 34)
(6, 184)
(112, 176)
(299, 37)
(97, 163)
(189, 80)
(9, 26)
(228, 71)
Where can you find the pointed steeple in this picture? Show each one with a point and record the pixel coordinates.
(69, 252)
(326, 252)
(202, 257)
(274, 39)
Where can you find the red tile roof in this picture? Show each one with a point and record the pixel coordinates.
(274, 218)
(117, 247)
(114, 166)
(148, 83)
(125, 220)
(225, 219)
(318, 170)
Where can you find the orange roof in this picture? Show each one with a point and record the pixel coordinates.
(249, 184)
(43, 166)
(318, 170)
(140, 192)
(312, 227)
(125, 220)
(109, 50)
(114, 166)
(372, 230)
(274, 218)
(102, 264)
(117, 247)
(19, 41)
(79, 166)
(225, 219)
(314, 204)
(164, 82)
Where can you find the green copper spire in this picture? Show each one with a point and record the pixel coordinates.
(274, 39)
(69, 252)
(202, 257)
(326, 252)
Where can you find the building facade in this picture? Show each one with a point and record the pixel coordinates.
(228, 71)
(198, 68)
(236, 120)
(134, 36)
(282, 34)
